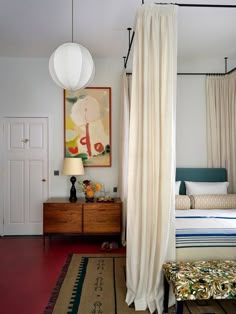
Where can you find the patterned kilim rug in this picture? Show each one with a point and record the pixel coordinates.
(95, 284)
(91, 284)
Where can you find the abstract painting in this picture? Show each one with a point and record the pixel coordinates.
(87, 125)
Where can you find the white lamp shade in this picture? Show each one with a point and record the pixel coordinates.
(71, 66)
(73, 166)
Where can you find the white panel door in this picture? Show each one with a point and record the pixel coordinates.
(26, 174)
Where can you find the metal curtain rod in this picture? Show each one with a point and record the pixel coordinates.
(130, 45)
(231, 71)
(199, 73)
(202, 5)
(189, 73)
(226, 72)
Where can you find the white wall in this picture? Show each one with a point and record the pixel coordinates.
(191, 142)
(191, 149)
(27, 89)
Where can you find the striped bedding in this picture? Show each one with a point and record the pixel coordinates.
(206, 234)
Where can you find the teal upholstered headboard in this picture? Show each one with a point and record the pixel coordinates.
(200, 175)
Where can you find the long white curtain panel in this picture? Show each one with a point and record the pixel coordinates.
(151, 167)
(221, 124)
(124, 149)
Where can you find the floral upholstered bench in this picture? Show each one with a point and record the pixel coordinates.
(198, 281)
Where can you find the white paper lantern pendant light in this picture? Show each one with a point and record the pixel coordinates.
(71, 65)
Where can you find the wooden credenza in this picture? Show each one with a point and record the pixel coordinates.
(60, 216)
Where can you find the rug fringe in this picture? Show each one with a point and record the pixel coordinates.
(54, 295)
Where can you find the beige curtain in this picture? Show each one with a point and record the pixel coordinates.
(221, 124)
(151, 171)
(124, 148)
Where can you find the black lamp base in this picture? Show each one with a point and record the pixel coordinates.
(73, 197)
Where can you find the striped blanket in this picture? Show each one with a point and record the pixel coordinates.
(206, 234)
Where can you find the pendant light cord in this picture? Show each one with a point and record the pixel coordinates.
(72, 19)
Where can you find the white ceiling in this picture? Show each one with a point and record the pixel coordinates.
(34, 28)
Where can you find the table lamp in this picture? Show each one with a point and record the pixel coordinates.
(73, 167)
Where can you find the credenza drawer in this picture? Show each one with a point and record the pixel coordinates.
(65, 220)
(102, 219)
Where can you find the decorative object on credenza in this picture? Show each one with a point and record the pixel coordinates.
(71, 65)
(73, 166)
(105, 199)
(89, 188)
(87, 123)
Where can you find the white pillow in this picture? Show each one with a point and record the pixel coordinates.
(177, 186)
(196, 188)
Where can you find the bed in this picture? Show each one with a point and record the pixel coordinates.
(205, 233)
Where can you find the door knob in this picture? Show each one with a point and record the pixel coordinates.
(25, 140)
(44, 180)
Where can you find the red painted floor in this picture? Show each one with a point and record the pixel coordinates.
(29, 271)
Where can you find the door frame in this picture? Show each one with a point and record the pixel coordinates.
(2, 175)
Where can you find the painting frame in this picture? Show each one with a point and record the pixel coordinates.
(87, 126)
